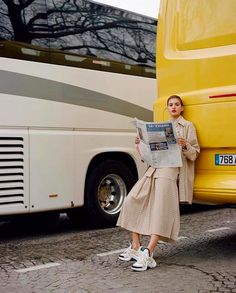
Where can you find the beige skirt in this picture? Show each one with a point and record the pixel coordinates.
(152, 205)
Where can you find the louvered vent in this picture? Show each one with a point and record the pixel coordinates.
(11, 170)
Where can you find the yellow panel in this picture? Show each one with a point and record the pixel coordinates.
(190, 70)
(204, 28)
(196, 59)
(215, 187)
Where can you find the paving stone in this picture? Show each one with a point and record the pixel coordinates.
(204, 262)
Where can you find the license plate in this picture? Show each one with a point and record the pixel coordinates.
(225, 159)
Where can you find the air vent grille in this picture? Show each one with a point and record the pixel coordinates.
(11, 170)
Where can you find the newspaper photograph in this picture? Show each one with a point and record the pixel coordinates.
(158, 144)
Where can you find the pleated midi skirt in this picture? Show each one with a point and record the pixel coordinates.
(152, 205)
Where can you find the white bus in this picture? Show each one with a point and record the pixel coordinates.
(73, 74)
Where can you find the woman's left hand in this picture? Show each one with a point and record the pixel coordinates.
(137, 140)
(182, 142)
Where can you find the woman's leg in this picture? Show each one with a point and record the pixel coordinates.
(145, 260)
(135, 240)
(153, 243)
(133, 251)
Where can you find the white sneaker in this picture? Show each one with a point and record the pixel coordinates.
(144, 261)
(130, 254)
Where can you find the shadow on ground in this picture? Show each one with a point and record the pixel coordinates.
(44, 224)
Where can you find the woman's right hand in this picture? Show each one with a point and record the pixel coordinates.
(137, 140)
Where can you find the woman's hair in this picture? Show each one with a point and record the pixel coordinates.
(175, 97)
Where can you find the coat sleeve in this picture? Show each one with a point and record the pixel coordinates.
(193, 149)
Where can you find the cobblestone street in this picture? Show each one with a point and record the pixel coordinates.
(83, 260)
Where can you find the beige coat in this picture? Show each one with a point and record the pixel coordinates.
(186, 172)
(186, 175)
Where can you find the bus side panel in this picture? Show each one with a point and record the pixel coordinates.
(51, 169)
(196, 59)
(89, 144)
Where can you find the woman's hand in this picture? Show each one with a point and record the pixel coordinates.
(182, 142)
(137, 140)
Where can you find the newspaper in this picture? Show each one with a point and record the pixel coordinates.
(158, 144)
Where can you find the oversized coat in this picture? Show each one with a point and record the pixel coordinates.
(186, 172)
(186, 175)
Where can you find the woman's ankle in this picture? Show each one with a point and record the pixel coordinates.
(136, 246)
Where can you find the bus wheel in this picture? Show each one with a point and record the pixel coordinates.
(106, 187)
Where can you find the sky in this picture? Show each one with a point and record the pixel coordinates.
(145, 7)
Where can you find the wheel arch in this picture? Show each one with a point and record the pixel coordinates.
(119, 156)
(99, 164)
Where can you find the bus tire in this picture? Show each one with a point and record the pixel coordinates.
(107, 185)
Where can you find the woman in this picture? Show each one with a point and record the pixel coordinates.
(152, 206)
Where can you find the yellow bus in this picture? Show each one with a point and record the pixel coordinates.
(196, 59)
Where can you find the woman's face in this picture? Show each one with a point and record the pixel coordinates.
(174, 107)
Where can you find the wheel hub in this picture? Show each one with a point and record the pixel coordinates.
(111, 193)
